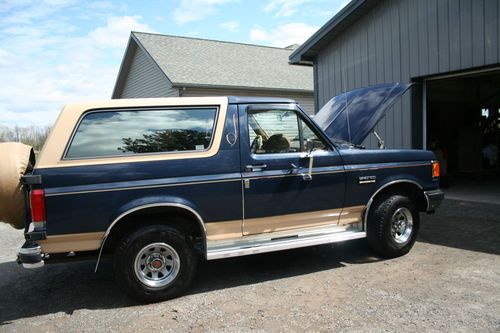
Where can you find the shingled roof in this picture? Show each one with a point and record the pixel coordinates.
(193, 62)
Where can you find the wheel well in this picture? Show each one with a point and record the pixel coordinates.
(411, 190)
(179, 218)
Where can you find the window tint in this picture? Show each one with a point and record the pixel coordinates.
(112, 133)
(278, 131)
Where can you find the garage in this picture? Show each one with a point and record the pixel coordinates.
(462, 116)
(451, 50)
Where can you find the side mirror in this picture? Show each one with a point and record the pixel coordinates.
(309, 146)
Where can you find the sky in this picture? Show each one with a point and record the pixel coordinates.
(54, 52)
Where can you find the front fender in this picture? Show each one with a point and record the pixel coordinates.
(388, 183)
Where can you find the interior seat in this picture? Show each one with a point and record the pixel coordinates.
(276, 143)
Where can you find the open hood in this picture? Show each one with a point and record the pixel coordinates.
(353, 115)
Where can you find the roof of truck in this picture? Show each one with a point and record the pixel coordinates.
(54, 149)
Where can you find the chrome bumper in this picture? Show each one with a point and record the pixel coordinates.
(30, 255)
(434, 199)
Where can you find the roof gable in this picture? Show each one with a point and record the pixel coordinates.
(208, 63)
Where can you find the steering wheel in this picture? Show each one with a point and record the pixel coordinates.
(256, 144)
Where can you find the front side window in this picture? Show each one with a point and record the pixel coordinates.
(308, 134)
(279, 131)
(118, 133)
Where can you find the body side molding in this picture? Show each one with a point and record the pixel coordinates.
(152, 205)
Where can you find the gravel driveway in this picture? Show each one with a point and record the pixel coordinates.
(450, 281)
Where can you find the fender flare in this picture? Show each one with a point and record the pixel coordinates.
(393, 182)
(146, 206)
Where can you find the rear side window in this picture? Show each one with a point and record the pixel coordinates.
(118, 133)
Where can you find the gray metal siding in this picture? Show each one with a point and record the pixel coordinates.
(306, 101)
(145, 79)
(404, 39)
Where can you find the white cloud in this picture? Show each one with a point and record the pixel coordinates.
(117, 31)
(195, 10)
(283, 35)
(29, 12)
(101, 5)
(283, 7)
(305, 8)
(341, 5)
(47, 64)
(232, 26)
(6, 58)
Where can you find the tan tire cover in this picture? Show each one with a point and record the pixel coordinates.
(14, 161)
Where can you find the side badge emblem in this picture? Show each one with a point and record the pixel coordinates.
(367, 179)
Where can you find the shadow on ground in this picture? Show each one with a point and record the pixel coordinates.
(67, 287)
(465, 225)
(72, 286)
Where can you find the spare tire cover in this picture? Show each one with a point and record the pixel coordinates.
(15, 159)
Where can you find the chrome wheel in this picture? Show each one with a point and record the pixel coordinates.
(401, 225)
(157, 264)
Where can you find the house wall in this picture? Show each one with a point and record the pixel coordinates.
(400, 40)
(306, 101)
(145, 79)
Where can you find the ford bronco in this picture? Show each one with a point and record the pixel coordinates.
(158, 183)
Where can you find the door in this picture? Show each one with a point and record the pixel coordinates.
(280, 190)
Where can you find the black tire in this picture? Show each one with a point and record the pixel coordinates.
(393, 239)
(169, 283)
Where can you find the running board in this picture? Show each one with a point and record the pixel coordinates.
(248, 245)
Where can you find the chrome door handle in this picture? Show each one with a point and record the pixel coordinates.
(253, 168)
(293, 168)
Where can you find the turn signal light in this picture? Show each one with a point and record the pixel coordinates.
(37, 201)
(435, 169)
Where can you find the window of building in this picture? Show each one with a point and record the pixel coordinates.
(118, 133)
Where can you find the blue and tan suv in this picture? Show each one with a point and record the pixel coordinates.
(158, 183)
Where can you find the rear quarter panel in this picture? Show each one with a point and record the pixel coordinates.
(84, 197)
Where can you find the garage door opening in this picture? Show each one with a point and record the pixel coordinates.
(463, 127)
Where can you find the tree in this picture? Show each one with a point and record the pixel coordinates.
(34, 136)
(167, 140)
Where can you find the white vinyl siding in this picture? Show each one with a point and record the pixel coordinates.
(145, 79)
